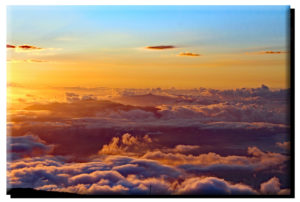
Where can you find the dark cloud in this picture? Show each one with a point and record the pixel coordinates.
(162, 47)
(24, 47)
(267, 52)
(189, 54)
(89, 106)
(27, 145)
(274, 52)
(29, 47)
(10, 46)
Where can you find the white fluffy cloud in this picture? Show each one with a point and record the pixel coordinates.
(213, 186)
(119, 175)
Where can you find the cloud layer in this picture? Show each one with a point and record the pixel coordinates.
(176, 141)
(124, 175)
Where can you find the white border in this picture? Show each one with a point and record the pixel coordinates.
(4, 3)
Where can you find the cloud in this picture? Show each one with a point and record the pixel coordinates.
(28, 47)
(238, 112)
(226, 128)
(10, 46)
(266, 159)
(90, 178)
(105, 189)
(266, 52)
(189, 54)
(258, 160)
(274, 52)
(36, 60)
(272, 187)
(116, 175)
(27, 145)
(24, 47)
(284, 145)
(88, 97)
(213, 186)
(151, 186)
(129, 145)
(185, 134)
(146, 99)
(27, 61)
(72, 97)
(32, 50)
(184, 148)
(126, 145)
(189, 135)
(89, 106)
(226, 171)
(134, 174)
(96, 177)
(199, 106)
(112, 147)
(128, 139)
(162, 47)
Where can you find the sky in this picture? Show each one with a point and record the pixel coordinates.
(218, 47)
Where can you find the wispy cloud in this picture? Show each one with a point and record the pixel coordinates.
(161, 47)
(266, 52)
(28, 61)
(24, 47)
(189, 54)
(28, 47)
(33, 50)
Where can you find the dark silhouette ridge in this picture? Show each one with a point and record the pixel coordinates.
(32, 193)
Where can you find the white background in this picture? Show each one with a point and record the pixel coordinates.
(4, 3)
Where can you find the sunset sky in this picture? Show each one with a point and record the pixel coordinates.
(227, 47)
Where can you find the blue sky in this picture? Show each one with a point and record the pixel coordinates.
(112, 40)
(239, 27)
